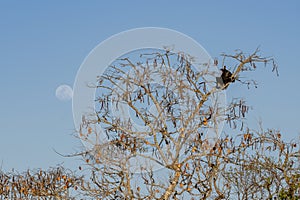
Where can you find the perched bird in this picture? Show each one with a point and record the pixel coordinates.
(226, 77)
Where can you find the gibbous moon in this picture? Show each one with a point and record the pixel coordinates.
(64, 93)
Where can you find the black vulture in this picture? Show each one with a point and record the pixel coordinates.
(226, 77)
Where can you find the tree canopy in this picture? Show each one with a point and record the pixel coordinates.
(157, 133)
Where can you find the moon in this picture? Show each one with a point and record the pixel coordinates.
(64, 93)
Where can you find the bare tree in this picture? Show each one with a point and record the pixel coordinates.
(174, 134)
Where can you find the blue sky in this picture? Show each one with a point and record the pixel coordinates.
(43, 43)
